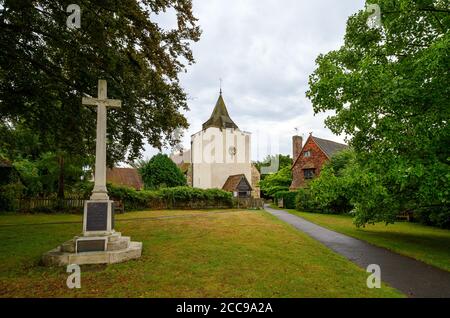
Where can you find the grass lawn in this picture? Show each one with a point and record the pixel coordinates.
(192, 254)
(425, 243)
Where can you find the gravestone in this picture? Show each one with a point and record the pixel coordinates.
(99, 243)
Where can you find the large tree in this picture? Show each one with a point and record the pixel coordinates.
(389, 88)
(161, 172)
(46, 67)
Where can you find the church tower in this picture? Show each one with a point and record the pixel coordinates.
(220, 150)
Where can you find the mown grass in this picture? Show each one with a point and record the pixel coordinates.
(425, 243)
(209, 254)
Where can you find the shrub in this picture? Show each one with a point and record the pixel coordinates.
(177, 197)
(161, 172)
(305, 202)
(276, 182)
(9, 194)
(437, 216)
(288, 198)
(187, 197)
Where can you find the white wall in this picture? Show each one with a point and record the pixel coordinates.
(211, 158)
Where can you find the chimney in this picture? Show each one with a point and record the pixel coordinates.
(297, 144)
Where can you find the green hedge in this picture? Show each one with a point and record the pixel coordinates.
(9, 194)
(304, 201)
(171, 198)
(165, 198)
(288, 198)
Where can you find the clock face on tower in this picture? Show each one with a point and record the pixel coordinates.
(232, 150)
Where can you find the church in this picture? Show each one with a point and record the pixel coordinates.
(220, 156)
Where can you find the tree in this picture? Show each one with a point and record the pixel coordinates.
(389, 89)
(45, 69)
(42, 172)
(161, 172)
(283, 161)
(332, 191)
(279, 181)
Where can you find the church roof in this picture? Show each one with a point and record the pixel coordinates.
(220, 117)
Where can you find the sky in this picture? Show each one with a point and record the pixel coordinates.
(264, 52)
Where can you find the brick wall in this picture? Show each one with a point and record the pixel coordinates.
(297, 144)
(316, 161)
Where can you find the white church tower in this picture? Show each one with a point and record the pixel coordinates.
(220, 150)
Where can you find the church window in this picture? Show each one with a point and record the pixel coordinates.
(309, 173)
(307, 154)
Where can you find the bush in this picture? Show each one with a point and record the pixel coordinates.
(9, 194)
(161, 172)
(167, 198)
(436, 216)
(132, 199)
(187, 197)
(276, 182)
(288, 198)
(305, 202)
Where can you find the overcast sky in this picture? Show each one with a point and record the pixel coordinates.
(264, 50)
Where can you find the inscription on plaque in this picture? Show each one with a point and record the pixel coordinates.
(90, 246)
(97, 216)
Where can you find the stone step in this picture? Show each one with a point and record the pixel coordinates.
(118, 244)
(68, 247)
(57, 258)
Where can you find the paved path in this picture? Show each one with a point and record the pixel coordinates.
(414, 278)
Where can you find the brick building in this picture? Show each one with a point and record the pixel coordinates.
(310, 158)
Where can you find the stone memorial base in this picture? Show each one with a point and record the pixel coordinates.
(85, 250)
(99, 243)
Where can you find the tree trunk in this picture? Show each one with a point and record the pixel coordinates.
(61, 178)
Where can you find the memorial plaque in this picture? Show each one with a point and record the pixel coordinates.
(97, 216)
(90, 245)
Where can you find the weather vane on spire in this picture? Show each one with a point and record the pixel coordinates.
(220, 80)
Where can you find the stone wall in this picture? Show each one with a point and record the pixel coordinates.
(256, 177)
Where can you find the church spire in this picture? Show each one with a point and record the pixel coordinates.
(220, 117)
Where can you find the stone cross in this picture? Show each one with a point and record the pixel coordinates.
(100, 192)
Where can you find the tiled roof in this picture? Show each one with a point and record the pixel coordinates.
(219, 117)
(329, 147)
(128, 177)
(233, 182)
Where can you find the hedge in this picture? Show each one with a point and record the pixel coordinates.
(166, 198)
(288, 198)
(171, 198)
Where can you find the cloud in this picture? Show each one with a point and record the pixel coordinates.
(264, 50)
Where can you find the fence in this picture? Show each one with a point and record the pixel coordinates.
(77, 204)
(248, 203)
(48, 204)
